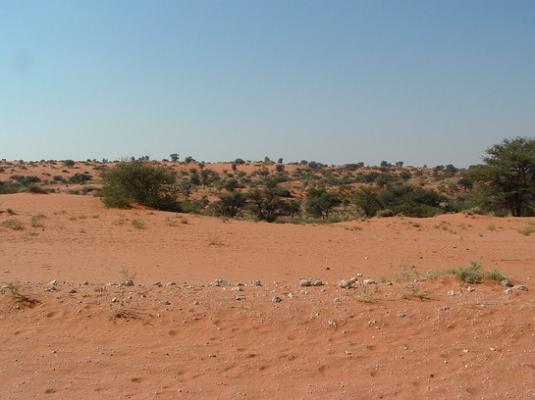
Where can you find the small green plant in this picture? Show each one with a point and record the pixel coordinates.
(138, 224)
(469, 274)
(495, 275)
(13, 224)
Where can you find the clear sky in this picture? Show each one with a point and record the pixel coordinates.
(333, 81)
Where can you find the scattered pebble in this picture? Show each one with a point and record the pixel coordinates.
(347, 283)
(256, 282)
(520, 287)
(276, 299)
(128, 282)
(73, 290)
(310, 282)
(506, 283)
(220, 282)
(369, 282)
(451, 292)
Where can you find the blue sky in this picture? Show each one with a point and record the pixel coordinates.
(334, 81)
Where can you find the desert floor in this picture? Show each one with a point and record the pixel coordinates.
(77, 331)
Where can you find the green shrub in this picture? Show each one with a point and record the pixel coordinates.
(470, 274)
(139, 182)
(26, 180)
(320, 202)
(496, 275)
(9, 187)
(36, 189)
(80, 178)
(385, 213)
(412, 201)
(368, 201)
(230, 204)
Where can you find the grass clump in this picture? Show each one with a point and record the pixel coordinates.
(528, 230)
(472, 273)
(36, 221)
(13, 224)
(214, 240)
(138, 224)
(366, 293)
(496, 275)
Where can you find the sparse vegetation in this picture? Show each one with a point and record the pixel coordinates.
(37, 221)
(13, 224)
(138, 224)
(17, 297)
(214, 239)
(528, 230)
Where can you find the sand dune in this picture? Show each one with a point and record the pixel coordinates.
(89, 337)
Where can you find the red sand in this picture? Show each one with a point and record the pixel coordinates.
(324, 343)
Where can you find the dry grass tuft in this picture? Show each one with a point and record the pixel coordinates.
(13, 224)
(138, 224)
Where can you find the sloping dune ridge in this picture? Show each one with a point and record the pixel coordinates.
(104, 303)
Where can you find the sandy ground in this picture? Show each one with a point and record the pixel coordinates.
(412, 339)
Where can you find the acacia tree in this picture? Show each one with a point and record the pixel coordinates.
(507, 177)
(230, 204)
(367, 200)
(320, 202)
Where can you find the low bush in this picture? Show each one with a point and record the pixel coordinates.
(142, 183)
